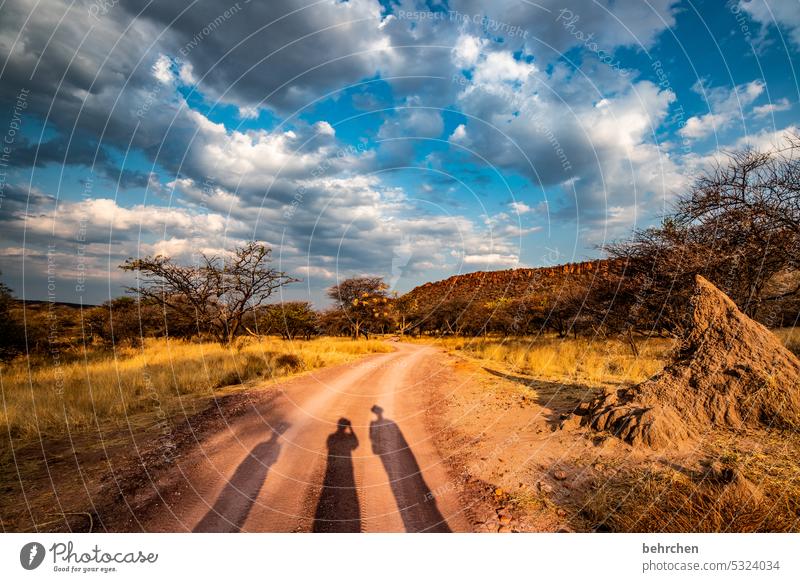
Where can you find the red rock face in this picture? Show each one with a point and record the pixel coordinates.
(509, 284)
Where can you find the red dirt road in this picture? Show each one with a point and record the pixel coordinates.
(344, 449)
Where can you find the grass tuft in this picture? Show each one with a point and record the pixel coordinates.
(659, 501)
(790, 336)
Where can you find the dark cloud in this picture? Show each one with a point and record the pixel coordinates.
(81, 150)
(543, 26)
(279, 54)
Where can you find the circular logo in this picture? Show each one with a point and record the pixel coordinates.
(31, 555)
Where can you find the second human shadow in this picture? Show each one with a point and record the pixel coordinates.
(415, 502)
(338, 509)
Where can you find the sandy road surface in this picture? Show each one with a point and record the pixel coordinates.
(345, 449)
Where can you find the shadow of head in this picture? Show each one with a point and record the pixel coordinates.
(279, 428)
(377, 410)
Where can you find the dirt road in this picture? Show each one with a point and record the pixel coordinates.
(344, 449)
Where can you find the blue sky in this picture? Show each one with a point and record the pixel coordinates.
(410, 140)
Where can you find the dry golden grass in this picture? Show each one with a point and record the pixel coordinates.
(761, 493)
(790, 336)
(647, 501)
(160, 379)
(594, 362)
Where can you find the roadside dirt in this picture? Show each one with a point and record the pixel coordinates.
(74, 484)
(528, 465)
(522, 463)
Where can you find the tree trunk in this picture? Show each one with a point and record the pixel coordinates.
(632, 343)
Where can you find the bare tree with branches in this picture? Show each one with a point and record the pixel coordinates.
(738, 226)
(217, 293)
(753, 199)
(760, 186)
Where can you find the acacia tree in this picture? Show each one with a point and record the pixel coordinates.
(764, 186)
(218, 292)
(291, 319)
(364, 302)
(738, 226)
(12, 334)
(752, 201)
(124, 320)
(334, 322)
(406, 310)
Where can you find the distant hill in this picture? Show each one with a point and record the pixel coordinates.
(43, 303)
(488, 286)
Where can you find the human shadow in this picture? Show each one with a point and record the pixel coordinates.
(559, 398)
(416, 503)
(338, 509)
(233, 505)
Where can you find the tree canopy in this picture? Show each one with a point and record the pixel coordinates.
(217, 292)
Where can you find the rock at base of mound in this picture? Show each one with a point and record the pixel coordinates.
(730, 372)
